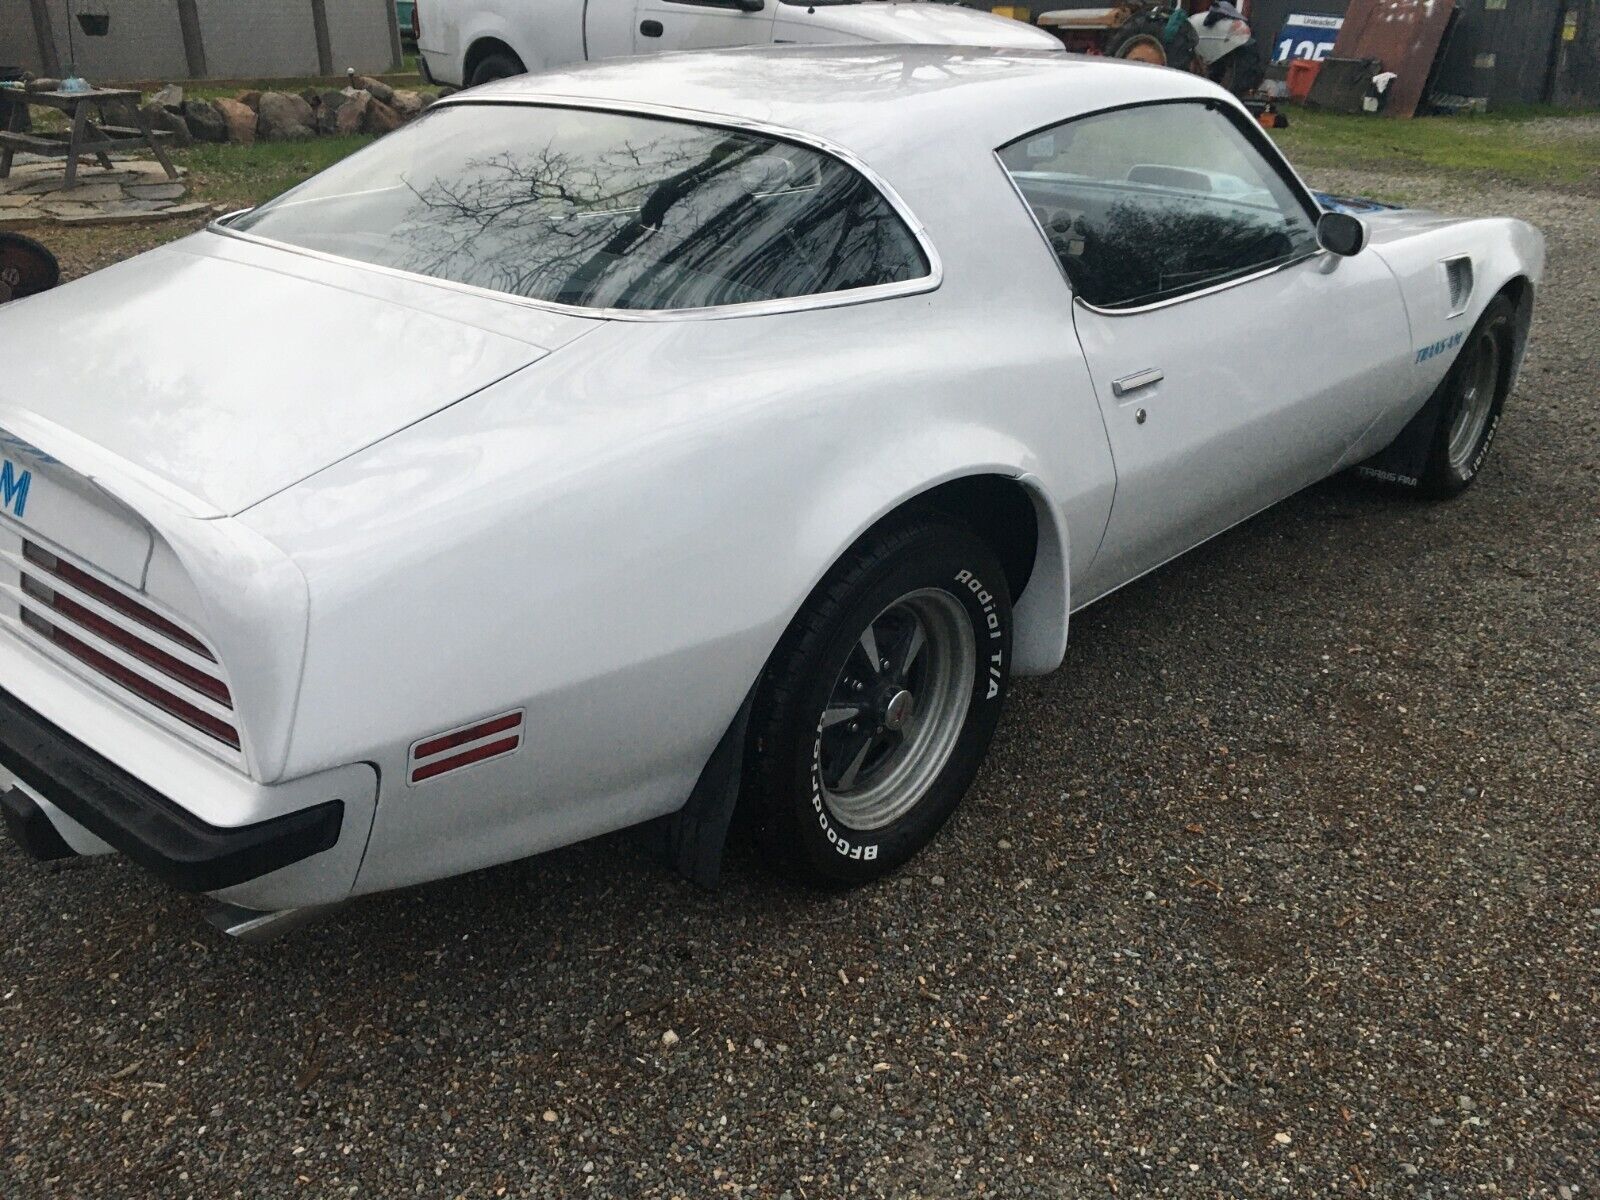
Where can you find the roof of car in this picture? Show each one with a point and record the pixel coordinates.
(870, 99)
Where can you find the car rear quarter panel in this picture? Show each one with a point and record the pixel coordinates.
(615, 537)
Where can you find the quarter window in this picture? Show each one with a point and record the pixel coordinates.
(1144, 204)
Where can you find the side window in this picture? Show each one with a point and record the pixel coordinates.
(1147, 203)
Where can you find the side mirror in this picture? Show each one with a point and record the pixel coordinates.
(750, 6)
(1340, 233)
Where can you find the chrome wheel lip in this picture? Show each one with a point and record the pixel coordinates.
(1479, 384)
(892, 780)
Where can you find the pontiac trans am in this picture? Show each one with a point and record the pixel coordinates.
(655, 439)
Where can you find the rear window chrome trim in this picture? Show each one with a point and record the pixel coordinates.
(882, 291)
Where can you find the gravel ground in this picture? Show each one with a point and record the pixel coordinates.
(1286, 885)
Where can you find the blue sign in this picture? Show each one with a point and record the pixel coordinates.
(1306, 36)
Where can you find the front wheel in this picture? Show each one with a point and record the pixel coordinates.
(1471, 398)
(879, 703)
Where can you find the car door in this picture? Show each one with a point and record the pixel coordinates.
(1233, 360)
(665, 25)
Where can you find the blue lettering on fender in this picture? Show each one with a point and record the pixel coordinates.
(1439, 347)
(14, 487)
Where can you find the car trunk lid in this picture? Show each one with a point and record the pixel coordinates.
(224, 371)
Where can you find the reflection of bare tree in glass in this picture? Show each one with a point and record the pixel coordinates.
(1147, 247)
(683, 219)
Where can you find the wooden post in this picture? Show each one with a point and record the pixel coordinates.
(194, 46)
(45, 35)
(319, 22)
(397, 53)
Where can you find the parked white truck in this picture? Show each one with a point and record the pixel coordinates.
(468, 42)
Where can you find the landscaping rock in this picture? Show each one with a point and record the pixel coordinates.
(86, 193)
(120, 112)
(169, 98)
(380, 118)
(161, 117)
(284, 118)
(251, 100)
(407, 104)
(206, 123)
(376, 87)
(352, 115)
(156, 191)
(240, 119)
(327, 110)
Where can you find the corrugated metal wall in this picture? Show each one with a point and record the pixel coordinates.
(1504, 50)
(1577, 67)
(228, 39)
(1501, 50)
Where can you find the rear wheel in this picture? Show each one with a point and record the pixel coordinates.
(879, 703)
(495, 65)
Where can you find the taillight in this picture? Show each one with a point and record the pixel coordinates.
(126, 642)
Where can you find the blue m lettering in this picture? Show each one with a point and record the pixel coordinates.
(14, 487)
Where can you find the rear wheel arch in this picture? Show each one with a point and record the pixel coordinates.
(485, 48)
(1519, 291)
(1015, 515)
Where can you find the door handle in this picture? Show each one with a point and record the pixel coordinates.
(1139, 379)
(650, 28)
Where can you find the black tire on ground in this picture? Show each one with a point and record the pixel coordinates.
(1240, 70)
(1143, 32)
(496, 65)
(831, 741)
(1470, 401)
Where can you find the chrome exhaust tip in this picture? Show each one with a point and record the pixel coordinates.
(257, 927)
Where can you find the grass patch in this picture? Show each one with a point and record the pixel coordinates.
(244, 176)
(1526, 146)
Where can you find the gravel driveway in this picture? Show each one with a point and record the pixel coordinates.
(1288, 884)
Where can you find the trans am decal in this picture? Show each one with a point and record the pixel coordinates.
(1439, 347)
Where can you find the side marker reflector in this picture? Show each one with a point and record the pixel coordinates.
(456, 748)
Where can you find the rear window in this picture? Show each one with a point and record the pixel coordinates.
(600, 210)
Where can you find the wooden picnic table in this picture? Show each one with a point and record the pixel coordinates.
(87, 137)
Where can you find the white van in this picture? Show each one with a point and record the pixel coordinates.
(468, 42)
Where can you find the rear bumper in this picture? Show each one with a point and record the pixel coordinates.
(139, 821)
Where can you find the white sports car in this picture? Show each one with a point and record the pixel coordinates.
(629, 442)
